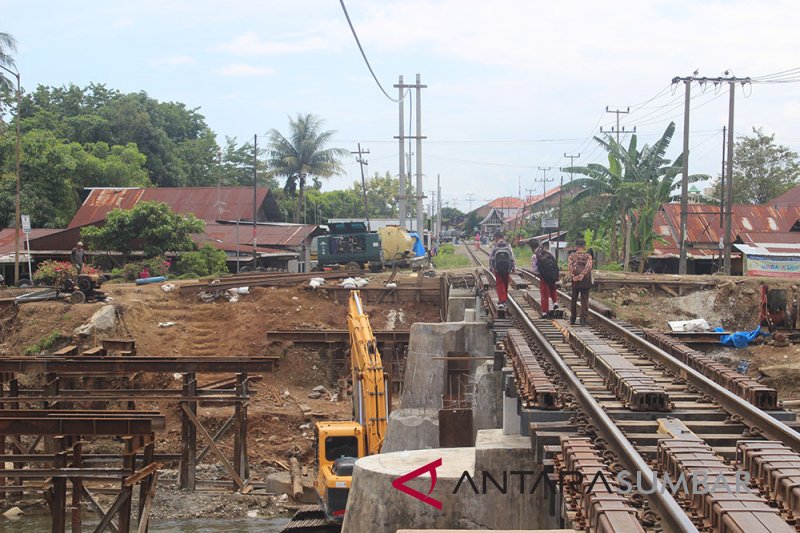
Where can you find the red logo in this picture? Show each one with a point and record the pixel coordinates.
(400, 483)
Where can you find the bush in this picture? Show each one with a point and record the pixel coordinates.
(447, 249)
(206, 261)
(188, 275)
(156, 266)
(44, 344)
(53, 272)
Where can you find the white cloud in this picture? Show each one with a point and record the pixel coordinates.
(241, 69)
(251, 44)
(173, 61)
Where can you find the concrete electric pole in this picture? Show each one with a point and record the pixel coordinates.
(362, 163)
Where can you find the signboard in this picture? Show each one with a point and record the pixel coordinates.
(550, 223)
(26, 223)
(772, 266)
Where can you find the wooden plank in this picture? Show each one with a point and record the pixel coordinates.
(144, 514)
(666, 289)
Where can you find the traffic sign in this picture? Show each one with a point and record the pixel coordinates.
(26, 223)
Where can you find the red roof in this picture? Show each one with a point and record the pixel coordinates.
(703, 225)
(7, 238)
(788, 199)
(204, 202)
(506, 202)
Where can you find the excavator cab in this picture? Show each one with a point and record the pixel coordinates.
(338, 445)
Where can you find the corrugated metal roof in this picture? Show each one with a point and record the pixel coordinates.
(266, 234)
(787, 199)
(703, 225)
(7, 238)
(203, 202)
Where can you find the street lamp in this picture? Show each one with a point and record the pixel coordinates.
(16, 215)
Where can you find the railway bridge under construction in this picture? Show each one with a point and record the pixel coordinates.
(603, 428)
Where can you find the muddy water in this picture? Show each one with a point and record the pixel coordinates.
(41, 524)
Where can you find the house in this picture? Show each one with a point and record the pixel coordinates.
(771, 254)
(490, 224)
(705, 233)
(223, 209)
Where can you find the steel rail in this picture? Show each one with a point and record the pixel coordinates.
(673, 516)
(767, 425)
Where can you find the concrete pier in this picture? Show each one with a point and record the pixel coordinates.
(468, 497)
(426, 380)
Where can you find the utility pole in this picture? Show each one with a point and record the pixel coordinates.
(470, 199)
(544, 181)
(255, 194)
(617, 112)
(722, 199)
(17, 219)
(572, 158)
(438, 207)
(729, 211)
(362, 163)
(401, 197)
(731, 81)
(685, 180)
(419, 194)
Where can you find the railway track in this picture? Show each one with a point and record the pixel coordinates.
(654, 413)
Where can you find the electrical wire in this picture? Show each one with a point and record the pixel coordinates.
(364, 55)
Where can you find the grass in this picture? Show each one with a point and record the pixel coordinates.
(522, 255)
(44, 344)
(446, 261)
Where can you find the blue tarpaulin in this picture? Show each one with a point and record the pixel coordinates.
(740, 339)
(419, 250)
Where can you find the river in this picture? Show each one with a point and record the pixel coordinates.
(41, 524)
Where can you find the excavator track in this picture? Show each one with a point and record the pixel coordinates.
(311, 519)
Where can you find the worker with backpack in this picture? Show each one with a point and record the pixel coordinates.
(501, 261)
(547, 268)
(580, 270)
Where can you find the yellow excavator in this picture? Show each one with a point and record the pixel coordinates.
(338, 444)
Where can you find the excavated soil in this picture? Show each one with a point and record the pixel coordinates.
(278, 429)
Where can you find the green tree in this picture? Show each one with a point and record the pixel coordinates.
(204, 262)
(149, 226)
(762, 169)
(303, 155)
(55, 171)
(634, 184)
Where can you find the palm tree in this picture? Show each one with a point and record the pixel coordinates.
(303, 154)
(7, 45)
(636, 182)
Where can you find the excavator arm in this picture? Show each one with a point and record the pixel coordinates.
(370, 400)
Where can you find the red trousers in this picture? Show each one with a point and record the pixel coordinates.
(547, 293)
(501, 283)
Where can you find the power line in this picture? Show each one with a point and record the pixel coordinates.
(364, 55)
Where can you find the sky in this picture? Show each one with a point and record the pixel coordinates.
(512, 85)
